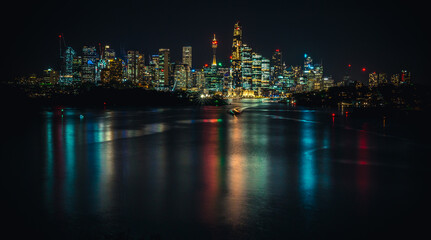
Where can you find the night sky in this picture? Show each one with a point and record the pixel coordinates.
(383, 36)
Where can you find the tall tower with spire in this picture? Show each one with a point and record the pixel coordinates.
(214, 46)
(236, 55)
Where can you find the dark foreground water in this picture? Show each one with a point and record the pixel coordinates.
(199, 173)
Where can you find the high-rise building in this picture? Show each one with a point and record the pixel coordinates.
(187, 56)
(108, 53)
(89, 57)
(214, 47)
(266, 74)
(256, 79)
(276, 62)
(246, 66)
(373, 80)
(164, 68)
(69, 54)
(181, 77)
(135, 66)
(236, 56)
(116, 70)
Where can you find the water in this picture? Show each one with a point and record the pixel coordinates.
(199, 173)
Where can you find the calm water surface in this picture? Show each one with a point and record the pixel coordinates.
(199, 173)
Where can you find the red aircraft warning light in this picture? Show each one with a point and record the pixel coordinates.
(364, 69)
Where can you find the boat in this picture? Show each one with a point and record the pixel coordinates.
(234, 111)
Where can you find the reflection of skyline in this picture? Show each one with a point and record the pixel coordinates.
(209, 169)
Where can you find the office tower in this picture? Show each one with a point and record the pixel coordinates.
(236, 55)
(214, 47)
(308, 66)
(406, 77)
(89, 57)
(77, 68)
(256, 79)
(213, 79)
(181, 77)
(276, 62)
(164, 68)
(187, 56)
(116, 70)
(135, 66)
(108, 53)
(373, 80)
(395, 79)
(153, 71)
(266, 74)
(246, 66)
(382, 78)
(69, 54)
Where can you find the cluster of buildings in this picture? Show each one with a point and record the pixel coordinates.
(396, 79)
(249, 74)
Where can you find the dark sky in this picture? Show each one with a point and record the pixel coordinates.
(383, 36)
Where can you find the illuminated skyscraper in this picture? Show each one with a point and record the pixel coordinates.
(266, 66)
(164, 68)
(277, 65)
(256, 78)
(246, 66)
(135, 66)
(187, 56)
(214, 47)
(89, 56)
(236, 56)
(69, 54)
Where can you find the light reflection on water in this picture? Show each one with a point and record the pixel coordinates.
(205, 167)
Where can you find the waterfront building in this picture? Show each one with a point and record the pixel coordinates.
(266, 73)
(256, 80)
(246, 66)
(236, 56)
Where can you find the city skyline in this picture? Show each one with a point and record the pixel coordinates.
(336, 34)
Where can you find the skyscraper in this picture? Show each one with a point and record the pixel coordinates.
(164, 68)
(135, 66)
(276, 62)
(246, 66)
(256, 78)
(236, 55)
(214, 47)
(89, 56)
(187, 56)
(266, 66)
